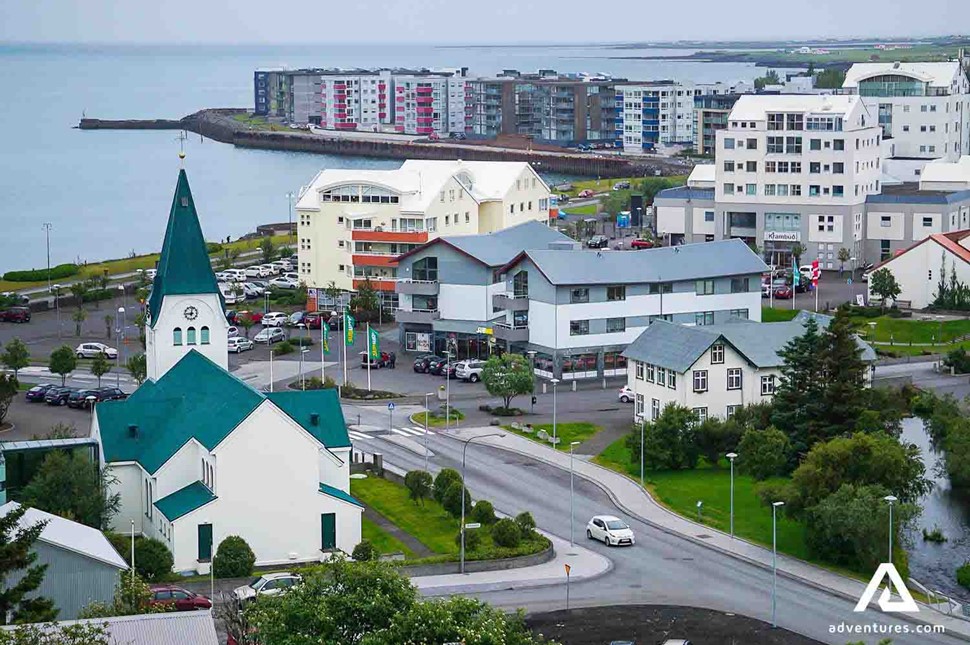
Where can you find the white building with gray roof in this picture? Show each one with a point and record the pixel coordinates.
(714, 370)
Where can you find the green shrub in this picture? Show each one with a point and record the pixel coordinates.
(506, 533)
(364, 551)
(963, 575)
(153, 560)
(473, 539)
(483, 513)
(234, 558)
(301, 341)
(958, 360)
(525, 522)
(445, 478)
(419, 485)
(36, 275)
(283, 348)
(213, 247)
(96, 295)
(452, 500)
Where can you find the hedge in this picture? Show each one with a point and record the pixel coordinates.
(36, 275)
(234, 558)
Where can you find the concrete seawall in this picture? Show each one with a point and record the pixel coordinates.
(218, 124)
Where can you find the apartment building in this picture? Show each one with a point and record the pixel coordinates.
(923, 107)
(713, 370)
(711, 113)
(353, 224)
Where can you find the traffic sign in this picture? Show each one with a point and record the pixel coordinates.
(390, 406)
(473, 525)
(567, 568)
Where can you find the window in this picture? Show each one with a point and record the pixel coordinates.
(838, 144)
(177, 336)
(796, 190)
(190, 336)
(425, 269)
(769, 190)
(578, 327)
(671, 379)
(814, 191)
(616, 293)
(776, 145)
(885, 221)
(776, 121)
(728, 144)
(771, 166)
(700, 380)
(204, 335)
(704, 287)
(815, 144)
(741, 314)
(708, 216)
(752, 144)
(704, 318)
(927, 221)
(767, 385)
(751, 189)
(838, 191)
(734, 378)
(654, 409)
(640, 370)
(796, 166)
(700, 414)
(728, 166)
(447, 218)
(793, 145)
(520, 284)
(815, 167)
(751, 166)
(639, 405)
(717, 354)
(651, 373)
(838, 168)
(661, 376)
(614, 325)
(728, 189)
(731, 409)
(579, 295)
(661, 287)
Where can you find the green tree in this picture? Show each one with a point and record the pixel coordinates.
(796, 409)
(506, 533)
(443, 480)
(365, 301)
(79, 290)
(771, 78)
(483, 513)
(15, 356)
(844, 256)
(844, 378)
(51, 634)
(79, 316)
(956, 453)
(452, 499)
(418, 483)
(138, 367)
(763, 453)
(365, 551)
(132, 597)
(63, 361)
(797, 251)
(69, 484)
(153, 560)
(333, 291)
(8, 390)
(18, 562)
(246, 322)
(715, 438)
(883, 284)
(668, 442)
(234, 558)
(100, 366)
(267, 249)
(830, 78)
(507, 376)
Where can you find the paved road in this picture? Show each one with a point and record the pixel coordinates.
(661, 568)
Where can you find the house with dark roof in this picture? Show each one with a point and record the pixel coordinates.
(919, 268)
(715, 369)
(199, 454)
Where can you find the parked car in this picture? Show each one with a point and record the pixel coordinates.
(38, 392)
(469, 370)
(313, 320)
(236, 275)
(58, 395)
(621, 185)
(79, 398)
(585, 193)
(178, 598)
(255, 316)
(231, 316)
(283, 283)
(336, 322)
(783, 293)
(447, 370)
(90, 350)
(111, 394)
(232, 331)
(269, 584)
(436, 365)
(255, 287)
(387, 359)
(269, 335)
(15, 298)
(585, 147)
(598, 242)
(640, 243)
(295, 319)
(274, 319)
(15, 315)
(293, 277)
(626, 394)
(563, 198)
(612, 531)
(239, 344)
(422, 362)
(151, 273)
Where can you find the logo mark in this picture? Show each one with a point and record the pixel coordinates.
(885, 602)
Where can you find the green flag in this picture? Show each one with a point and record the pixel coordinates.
(325, 337)
(349, 323)
(374, 344)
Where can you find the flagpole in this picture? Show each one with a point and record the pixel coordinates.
(324, 327)
(369, 357)
(345, 321)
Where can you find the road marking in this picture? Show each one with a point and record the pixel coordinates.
(400, 432)
(420, 431)
(357, 436)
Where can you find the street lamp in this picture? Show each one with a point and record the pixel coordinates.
(120, 322)
(555, 382)
(774, 559)
(47, 226)
(532, 364)
(426, 412)
(448, 392)
(643, 425)
(303, 351)
(732, 456)
(464, 488)
(891, 499)
(56, 290)
(571, 513)
(289, 229)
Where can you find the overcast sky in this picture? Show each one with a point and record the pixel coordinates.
(457, 21)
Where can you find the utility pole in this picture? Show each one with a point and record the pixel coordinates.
(47, 229)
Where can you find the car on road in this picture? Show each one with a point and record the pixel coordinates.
(585, 193)
(784, 293)
(177, 598)
(295, 319)
(387, 359)
(626, 394)
(270, 335)
(58, 395)
(562, 198)
(640, 243)
(15, 315)
(270, 584)
(239, 344)
(283, 283)
(422, 362)
(610, 530)
(38, 392)
(621, 185)
(274, 319)
(90, 350)
(469, 370)
(598, 242)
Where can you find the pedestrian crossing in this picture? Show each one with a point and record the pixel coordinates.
(406, 431)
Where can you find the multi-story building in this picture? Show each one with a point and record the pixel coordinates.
(658, 113)
(923, 107)
(712, 370)
(353, 224)
(711, 114)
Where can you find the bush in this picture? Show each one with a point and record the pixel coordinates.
(445, 478)
(213, 247)
(506, 533)
(36, 275)
(234, 558)
(364, 551)
(763, 453)
(282, 348)
(958, 360)
(506, 412)
(483, 513)
(301, 341)
(95, 295)
(452, 499)
(963, 575)
(473, 539)
(525, 522)
(418, 483)
(153, 560)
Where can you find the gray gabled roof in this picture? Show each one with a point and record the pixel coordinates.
(495, 249)
(196, 627)
(665, 264)
(677, 347)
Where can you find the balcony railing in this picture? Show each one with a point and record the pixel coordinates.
(422, 316)
(417, 287)
(511, 333)
(510, 302)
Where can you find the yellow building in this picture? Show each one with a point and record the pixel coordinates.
(353, 224)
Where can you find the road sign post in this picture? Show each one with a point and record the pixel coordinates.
(390, 417)
(568, 568)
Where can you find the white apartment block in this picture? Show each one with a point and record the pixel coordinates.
(659, 113)
(353, 224)
(360, 102)
(923, 107)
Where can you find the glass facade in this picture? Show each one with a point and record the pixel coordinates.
(892, 85)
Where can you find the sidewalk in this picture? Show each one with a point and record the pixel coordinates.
(634, 500)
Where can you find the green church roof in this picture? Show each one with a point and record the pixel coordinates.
(184, 266)
(184, 501)
(198, 399)
(339, 494)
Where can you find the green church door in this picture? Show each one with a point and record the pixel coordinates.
(328, 531)
(205, 542)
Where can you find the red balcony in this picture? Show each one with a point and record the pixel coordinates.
(365, 260)
(425, 110)
(345, 126)
(419, 237)
(399, 128)
(423, 130)
(425, 89)
(424, 120)
(380, 285)
(382, 115)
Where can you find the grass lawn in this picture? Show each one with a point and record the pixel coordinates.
(436, 419)
(429, 523)
(383, 541)
(606, 185)
(917, 330)
(589, 209)
(565, 432)
(770, 314)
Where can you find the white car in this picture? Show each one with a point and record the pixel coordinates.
(626, 394)
(612, 531)
(254, 288)
(275, 319)
(270, 335)
(238, 344)
(284, 283)
(469, 370)
(232, 332)
(270, 584)
(90, 350)
(268, 270)
(236, 275)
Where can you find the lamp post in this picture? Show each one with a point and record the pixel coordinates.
(124, 295)
(532, 364)
(555, 382)
(643, 425)
(891, 499)
(289, 228)
(47, 226)
(774, 559)
(56, 290)
(448, 395)
(572, 541)
(464, 488)
(120, 321)
(303, 351)
(732, 456)
(426, 412)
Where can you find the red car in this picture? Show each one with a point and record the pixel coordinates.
(783, 293)
(255, 316)
(15, 315)
(313, 320)
(642, 244)
(181, 599)
(585, 193)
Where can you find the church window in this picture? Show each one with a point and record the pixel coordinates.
(204, 333)
(190, 336)
(177, 336)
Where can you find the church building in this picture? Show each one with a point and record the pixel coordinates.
(199, 454)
